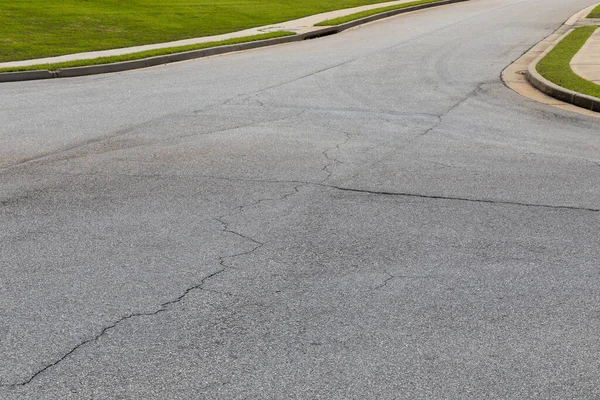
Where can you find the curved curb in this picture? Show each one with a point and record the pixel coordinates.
(212, 51)
(391, 13)
(558, 92)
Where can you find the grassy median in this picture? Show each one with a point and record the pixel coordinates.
(556, 65)
(41, 28)
(368, 13)
(595, 13)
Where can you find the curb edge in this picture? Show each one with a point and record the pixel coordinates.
(558, 92)
(201, 53)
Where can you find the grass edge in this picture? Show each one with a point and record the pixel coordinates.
(595, 13)
(556, 68)
(374, 11)
(53, 67)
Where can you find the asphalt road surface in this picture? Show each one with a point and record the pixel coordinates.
(370, 215)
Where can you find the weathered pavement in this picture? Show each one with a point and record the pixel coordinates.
(368, 215)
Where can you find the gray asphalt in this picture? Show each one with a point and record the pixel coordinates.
(366, 215)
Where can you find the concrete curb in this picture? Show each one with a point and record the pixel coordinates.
(391, 13)
(558, 92)
(212, 51)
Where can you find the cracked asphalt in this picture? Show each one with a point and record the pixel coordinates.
(366, 215)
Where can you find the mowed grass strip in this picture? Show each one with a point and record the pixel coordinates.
(41, 28)
(595, 13)
(556, 65)
(148, 53)
(368, 13)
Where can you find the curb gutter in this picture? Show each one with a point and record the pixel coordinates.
(212, 51)
(558, 92)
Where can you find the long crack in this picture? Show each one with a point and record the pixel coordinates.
(257, 245)
(224, 266)
(466, 199)
(468, 96)
(439, 119)
(365, 191)
(399, 194)
(374, 192)
(163, 307)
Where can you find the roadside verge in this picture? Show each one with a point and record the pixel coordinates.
(553, 89)
(523, 76)
(311, 33)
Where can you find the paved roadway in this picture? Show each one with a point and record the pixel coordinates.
(367, 215)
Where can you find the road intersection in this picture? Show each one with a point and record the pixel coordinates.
(368, 215)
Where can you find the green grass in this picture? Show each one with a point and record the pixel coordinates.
(595, 13)
(556, 68)
(146, 54)
(368, 13)
(44, 28)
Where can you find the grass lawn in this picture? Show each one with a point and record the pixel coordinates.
(556, 68)
(368, 13)
(146, 54)
(42, 28)
(595, 13)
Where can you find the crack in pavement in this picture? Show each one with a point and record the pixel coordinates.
(225, 226)
(385, 281)
(248, 95)
(439, 118)
(227, 229)
(257, 245)
(454, 106)
(242, 207)
(465, 199)
(415, 195)
(245, 96)
(365, 191)
(135, 128)
(334, 160)
(368, 191)
(163, 307)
